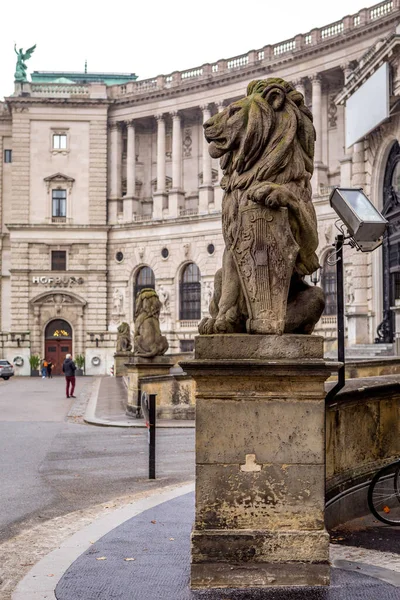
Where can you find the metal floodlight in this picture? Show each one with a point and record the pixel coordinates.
(364, 222)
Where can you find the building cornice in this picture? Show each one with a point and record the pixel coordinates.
(169, 86)
(381, 54)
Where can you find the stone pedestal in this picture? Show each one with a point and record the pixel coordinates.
(120, 358)
(139, 367)
(260, 462)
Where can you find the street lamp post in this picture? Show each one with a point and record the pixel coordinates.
(365, 227)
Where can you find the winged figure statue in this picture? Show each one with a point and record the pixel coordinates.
(20, 69)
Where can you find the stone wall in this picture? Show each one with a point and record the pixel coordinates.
(175, 395)
(361, 436)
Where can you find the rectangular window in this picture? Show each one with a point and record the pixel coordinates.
(7, 156)
(59, 141)
(59, 205)
(187, 345)
(58, 260)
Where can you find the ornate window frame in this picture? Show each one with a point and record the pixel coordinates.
(59, 131)
(59, 181)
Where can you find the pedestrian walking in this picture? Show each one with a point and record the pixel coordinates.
(49, 369)
(43, 368)
(69, 369)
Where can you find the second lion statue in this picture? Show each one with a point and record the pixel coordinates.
(265, 143)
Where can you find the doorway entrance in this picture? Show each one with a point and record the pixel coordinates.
(391, 244)
(58, 343)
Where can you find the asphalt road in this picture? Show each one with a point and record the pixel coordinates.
(51, 466)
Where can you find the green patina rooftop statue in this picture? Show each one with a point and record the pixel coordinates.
(20, 69)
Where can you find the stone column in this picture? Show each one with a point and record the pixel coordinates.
(206, 188)
(160, 196)
(357, 312)
(115, 171)
(260, 462)
(317, 116)
(130, 201)
(176, 198)
(319, 177)
(300, 87)
(218, 191)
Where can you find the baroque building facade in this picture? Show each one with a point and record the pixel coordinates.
(106, 187)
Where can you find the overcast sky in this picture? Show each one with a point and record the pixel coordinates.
(151, 37)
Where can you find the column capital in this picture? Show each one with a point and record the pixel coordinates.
(130, 123)
(299, 82)
(204, 107)
(115, 125)
(159, 117)
(176, 115)
(220, 105)
(316, 79)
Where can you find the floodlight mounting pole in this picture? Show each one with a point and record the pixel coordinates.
(339, 318)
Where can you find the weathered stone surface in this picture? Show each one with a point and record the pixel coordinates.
(120, 360)
(124, 343)
(139, 367)
(260, 546)
(258, 347)
(269, 227)
(260, 575)
(148, 341)
(260, 451)
(286, 431)
(274, 497)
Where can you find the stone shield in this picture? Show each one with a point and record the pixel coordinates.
(265, 252)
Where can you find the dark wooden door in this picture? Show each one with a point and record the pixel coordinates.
(56, 351)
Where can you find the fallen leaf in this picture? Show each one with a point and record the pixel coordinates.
(102, 558)
(154, 522)
(91, 541)
(51, 575)
(129, 559)
(386, 509)
(171, 539)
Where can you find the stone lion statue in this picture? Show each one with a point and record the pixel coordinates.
(148, 341)
(124, 338)
(265, 143)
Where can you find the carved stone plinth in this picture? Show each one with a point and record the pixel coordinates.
(139, 367)
(120, 358)
(260, 462)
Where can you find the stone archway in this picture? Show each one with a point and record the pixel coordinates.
(57, 305)
(391, 244)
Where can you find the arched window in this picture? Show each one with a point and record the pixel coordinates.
(190, 294)
(144, 279)
(328, 283)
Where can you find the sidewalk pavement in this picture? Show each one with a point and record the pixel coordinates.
(106, 407)
(142, 552)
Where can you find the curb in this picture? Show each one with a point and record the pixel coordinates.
(41, 581)
(91, 419)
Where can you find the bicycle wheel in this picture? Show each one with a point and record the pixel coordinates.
(384, 494)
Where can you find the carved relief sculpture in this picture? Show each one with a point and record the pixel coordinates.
(266, 146)
(118, 302)
(124, 343)
(148, 341)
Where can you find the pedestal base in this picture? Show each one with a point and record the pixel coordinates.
(260, 461)
(120, 358)
(140, 367)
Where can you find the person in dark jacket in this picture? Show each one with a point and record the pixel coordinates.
(69, 369)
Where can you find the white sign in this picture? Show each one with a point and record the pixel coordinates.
(368, 106)
(64, 281)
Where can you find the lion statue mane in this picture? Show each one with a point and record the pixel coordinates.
(148, 341)
(265, 143)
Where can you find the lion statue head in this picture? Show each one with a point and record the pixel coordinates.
(260, 135)
(265, 143)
